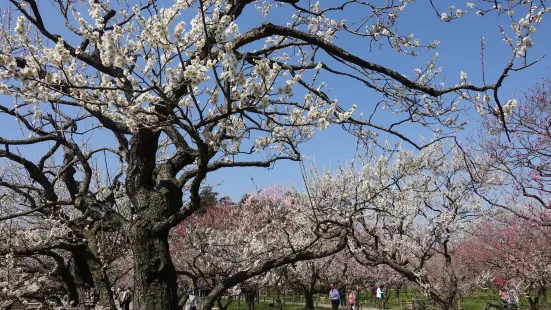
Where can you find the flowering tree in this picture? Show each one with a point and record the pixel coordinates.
(314, 276)
(35, 278)
(230, 244)
(43, 260)
(406, 212)
(173, 93)
(515, 250)
(520, 154)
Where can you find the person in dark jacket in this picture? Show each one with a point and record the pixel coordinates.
(374, 295)
(342, 295)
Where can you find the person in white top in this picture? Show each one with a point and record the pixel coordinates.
(334, 296)
(191, 303)
(380, 297)
(126, 299)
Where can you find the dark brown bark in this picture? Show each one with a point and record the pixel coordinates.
(81, 269)
(155, 286)
(250, 294)
(102, 284)
(539, 301)
(543, 298)
(68, 279)
(308, 300)
(221, 305)
(154, 198)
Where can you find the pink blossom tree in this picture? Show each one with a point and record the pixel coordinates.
(230, 244)
(515, 250)
(519, 152)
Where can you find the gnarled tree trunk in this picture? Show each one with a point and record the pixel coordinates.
(155, 286)
(154, 198)
(103, 286)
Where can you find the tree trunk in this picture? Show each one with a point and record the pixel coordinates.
(543, 298)
(81, 269)
(397, 293)
(155, 286)
(222, 306)
(309, 300)
(249, 298)
(102, 284)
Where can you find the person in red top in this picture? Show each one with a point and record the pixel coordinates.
(504, 295)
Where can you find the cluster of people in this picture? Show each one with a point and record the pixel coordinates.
(338, 297)
(123, 296)
(508, 297)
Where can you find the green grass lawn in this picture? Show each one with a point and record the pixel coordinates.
(264, 306)
(476, 301)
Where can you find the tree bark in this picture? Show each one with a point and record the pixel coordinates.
(543, 298)
(250, 294)
(102, 285)
(309, 300)
(81, 269)
(397, 292)
(222, 306)
(155, 286)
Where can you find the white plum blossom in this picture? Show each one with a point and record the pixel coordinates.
(524, 22)
(509, 107)
(527, 42)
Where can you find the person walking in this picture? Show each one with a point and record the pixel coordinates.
(126, 298)
(374, 295)
(380, 297)
(342, 295)
(352, 300)
(120, 292)
(334, 296)
(191, 303)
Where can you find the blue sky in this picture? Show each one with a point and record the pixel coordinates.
(459, 51)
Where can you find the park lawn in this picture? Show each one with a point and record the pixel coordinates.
(477, 301)
(264, 306)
